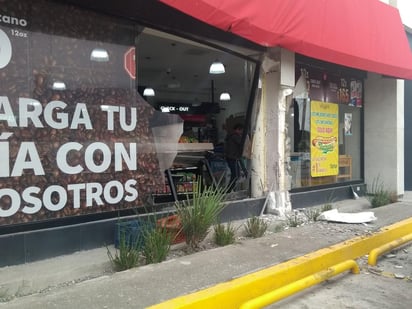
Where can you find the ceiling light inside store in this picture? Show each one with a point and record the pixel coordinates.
(99, 55)
(59, 86)
(149, 92)
(217, 67)
(224, 96)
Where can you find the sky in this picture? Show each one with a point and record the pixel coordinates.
(405, 9)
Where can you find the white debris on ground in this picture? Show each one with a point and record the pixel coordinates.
(335, 216)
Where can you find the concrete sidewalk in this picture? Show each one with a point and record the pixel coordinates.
(84, 279)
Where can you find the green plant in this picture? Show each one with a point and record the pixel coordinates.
(329, 203)
(127, 256)
(131, 231)
(224, 234)
(293, 220)
(378, 195)
(380, 198)
(157, 242)
(326, 207)
(255, 227)
(312, 213)
(200, 213)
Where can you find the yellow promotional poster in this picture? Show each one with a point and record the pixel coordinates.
(324, 146)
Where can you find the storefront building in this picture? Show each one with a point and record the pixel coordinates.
(110, 109)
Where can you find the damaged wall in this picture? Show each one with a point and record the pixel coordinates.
(269, 153)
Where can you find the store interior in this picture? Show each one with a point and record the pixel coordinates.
(210, 104)
(177, 70)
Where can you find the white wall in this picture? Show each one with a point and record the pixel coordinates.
(384, 127)
(397, 90)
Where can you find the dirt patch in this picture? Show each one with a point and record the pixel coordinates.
(297, 222)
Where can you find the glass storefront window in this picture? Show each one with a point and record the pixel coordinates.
(177, 69)
(325, 128)
(77, 138)
(72, 124)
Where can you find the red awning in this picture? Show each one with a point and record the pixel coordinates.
(363, 34)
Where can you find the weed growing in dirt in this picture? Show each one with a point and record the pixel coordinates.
(293, 219)
(224, 234)
(156, 245)
(312, 213)
(198, 214)
(255, 227)
(326, 207)
(378, 195)
(329, 203)
(127, 256)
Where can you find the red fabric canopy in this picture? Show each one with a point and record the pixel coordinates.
(363, 34)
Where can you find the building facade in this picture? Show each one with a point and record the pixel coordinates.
(83, 142)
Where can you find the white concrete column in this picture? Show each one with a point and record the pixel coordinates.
(273, 155)
(258, 152)
(269, 164)
(384, 126)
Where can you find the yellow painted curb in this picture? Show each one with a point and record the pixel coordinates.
(301, 284)
(373, 255)
(232, 294)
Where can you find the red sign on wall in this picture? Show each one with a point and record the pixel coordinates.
(130, 62)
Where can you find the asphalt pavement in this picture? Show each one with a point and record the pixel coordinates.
(85, 279)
